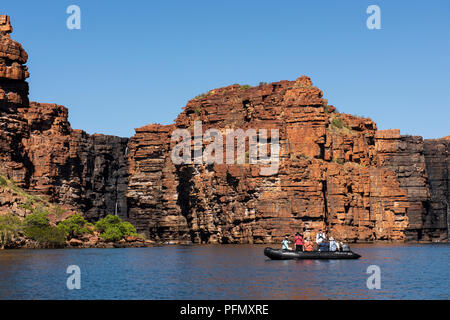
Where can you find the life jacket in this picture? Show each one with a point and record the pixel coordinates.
(308, 246)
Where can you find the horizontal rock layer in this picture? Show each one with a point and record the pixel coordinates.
(335, 171)
(330, 175)
(13, 72)
(436, 223)
(42, 153)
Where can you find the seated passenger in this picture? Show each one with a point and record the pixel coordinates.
(333, 245)
(324, 246)
(320, 237)
(285, 244)
(308, 245)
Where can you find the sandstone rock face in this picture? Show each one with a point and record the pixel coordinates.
(404, 155)
(436, 224)
(13, 73)
(153, 187)
(13, 93)
(88, 172)
(335, 171)
(328, 175)
(40, 151)
(5, 24)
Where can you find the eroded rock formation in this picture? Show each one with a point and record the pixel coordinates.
(42, 153)
(13, 73)
(328, 177)
(335, 171)
(436, 223)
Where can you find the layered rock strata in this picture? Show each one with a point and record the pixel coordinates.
(42, 153)
(404, 155)
(436, 224)
(328, 175)
(87, 172)
(335, 171)
(13, 72)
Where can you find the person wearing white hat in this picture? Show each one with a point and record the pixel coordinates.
(333, 244)
(285, 243)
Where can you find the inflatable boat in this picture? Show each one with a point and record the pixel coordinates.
(278, 254)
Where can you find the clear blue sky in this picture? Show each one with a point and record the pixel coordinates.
(139, 62)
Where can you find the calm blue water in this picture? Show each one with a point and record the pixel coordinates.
(224, 272)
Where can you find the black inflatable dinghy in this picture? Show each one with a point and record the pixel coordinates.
(278, 254)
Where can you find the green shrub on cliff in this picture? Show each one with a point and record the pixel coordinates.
(37, 227)
(28, 205)
(75, 226)
(3, 182)
(10, 228)
(48, 236)
(38, 219)
(112, 228)
(127, 229)
(108, 221)
(337, 122)
(203, 95)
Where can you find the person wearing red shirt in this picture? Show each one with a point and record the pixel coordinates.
(298, 240)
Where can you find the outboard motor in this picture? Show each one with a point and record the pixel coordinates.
(345, 248)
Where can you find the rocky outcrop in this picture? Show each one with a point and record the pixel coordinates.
(43, 154)
(404, 155)
(335, 171)
(436, 224)
(87, 172)
(328, 175)
(153, 189)
(13, 88)
(13, 93)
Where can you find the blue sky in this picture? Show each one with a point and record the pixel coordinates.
(139, 62)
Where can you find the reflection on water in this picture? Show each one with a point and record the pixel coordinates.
(224, 272)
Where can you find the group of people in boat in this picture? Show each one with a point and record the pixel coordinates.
(321, 243)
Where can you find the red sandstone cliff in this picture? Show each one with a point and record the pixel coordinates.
(330, 174)
(42, 153)
(336, 171)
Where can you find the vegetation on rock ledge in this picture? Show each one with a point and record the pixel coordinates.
(10, 229)
(38, 226)
(112, 228)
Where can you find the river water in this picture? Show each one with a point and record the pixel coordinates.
(224, 272)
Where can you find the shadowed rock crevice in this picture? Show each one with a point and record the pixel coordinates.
(186, 201)
(437, 157)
